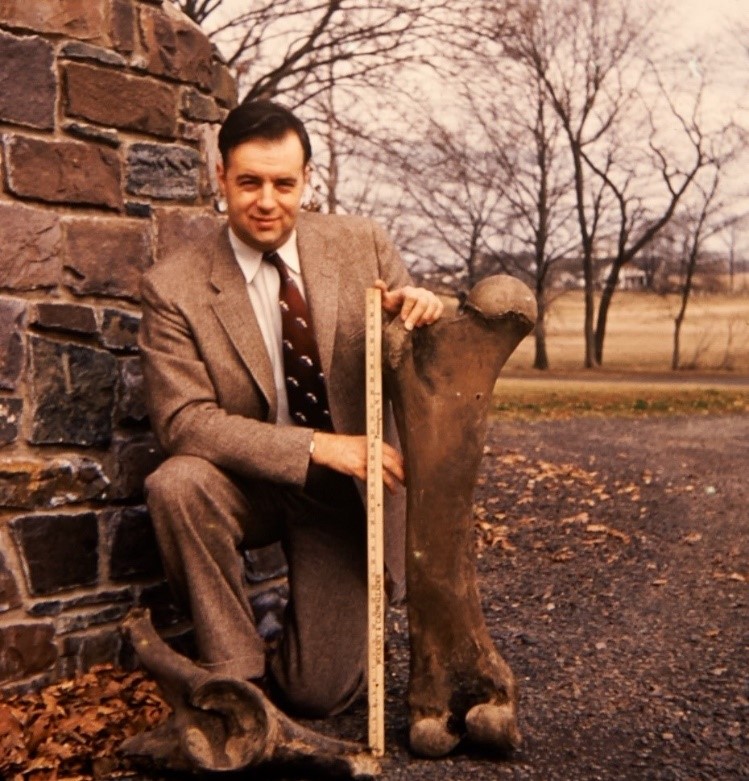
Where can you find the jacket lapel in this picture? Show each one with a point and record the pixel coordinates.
(233, 308)
(320, 271)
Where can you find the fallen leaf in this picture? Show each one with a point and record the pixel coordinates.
(582, 517)
(736, 576)
(599, 528)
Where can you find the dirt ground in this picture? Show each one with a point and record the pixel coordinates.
(615, 580)
(614, 572)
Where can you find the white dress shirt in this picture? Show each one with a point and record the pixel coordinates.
(263, 286)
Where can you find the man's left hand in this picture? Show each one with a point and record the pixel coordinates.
(416, 305)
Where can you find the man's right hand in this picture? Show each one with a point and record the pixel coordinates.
(348, 455)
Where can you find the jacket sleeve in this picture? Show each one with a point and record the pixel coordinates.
(184, 409)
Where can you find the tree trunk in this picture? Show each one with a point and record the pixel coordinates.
(679, 319)
(441, 380)
(675, 355)
(603, 311)
(590, 306)
(541, 359)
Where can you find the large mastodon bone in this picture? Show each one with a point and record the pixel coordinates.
(221, 723)
(441, 379)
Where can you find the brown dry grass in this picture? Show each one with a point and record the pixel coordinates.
(561, 398)
(715, 334)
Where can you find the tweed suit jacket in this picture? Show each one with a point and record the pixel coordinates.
(209, 381)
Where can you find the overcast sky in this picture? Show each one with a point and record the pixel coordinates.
(699, 18)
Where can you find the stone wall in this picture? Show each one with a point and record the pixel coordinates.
(108, 116)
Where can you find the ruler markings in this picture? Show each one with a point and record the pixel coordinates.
(375, 522)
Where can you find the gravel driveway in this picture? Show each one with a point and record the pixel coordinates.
(614, 569)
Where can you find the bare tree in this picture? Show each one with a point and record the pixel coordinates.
(456, 190)
(731, 238)
(696, 230)
(584, 52)
(288, 47)
(621, 123)
(633, 177)
(526, 146)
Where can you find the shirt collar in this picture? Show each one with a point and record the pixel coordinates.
(249, 258)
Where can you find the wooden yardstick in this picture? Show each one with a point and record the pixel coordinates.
(375, 523)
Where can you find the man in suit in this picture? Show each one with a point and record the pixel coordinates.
(246, 467)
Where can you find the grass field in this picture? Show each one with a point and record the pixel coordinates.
(715, 334)
(636, 379)
(557, 397)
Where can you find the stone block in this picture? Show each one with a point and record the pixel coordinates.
(119, 330)
(272, 600)
(223, 85)
(131, 396)
(53, 607)
(28, 87)
(179, 228)
(59, 551)
(263, 564)
(101, 647)
(200, 108)
(77, 50)
(65, 668)
(71, 318)
(190, 132)
(116, 99)
(81, 621)
(106, 256)
(123, 26)
(270, 628)
(9, 596)
(164, 172)
(91, 133)
(210, 153)
(134, 458)
(27, 483)
(26, 649)
(45, 609)
(63, 171)
(134, 550)
(30, 248)
(12, 321)
(136, 209)
(81, 19)
(10, 419)
(175, 47)
(72, 394)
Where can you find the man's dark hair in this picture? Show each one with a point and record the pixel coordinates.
(260, 119)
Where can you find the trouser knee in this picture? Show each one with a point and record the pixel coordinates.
(179, 477)
(317, 698)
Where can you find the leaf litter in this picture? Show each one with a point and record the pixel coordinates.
(71, 730)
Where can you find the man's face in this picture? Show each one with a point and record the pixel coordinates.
(263, 182)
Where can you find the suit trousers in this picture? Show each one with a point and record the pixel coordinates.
(204, 517)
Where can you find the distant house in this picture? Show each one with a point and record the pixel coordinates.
(630, 278)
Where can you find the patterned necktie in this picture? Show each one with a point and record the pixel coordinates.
(305, 381)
